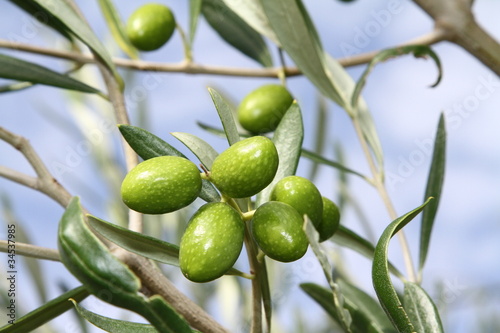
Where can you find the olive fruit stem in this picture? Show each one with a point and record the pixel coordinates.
(188, 55)
(247, 216)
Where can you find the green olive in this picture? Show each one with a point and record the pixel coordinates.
(262, 109)
(245, 168)
(211, 243)
(150, 26)
(277, 229)
(301, 194)
(331, 220)
(161, 185)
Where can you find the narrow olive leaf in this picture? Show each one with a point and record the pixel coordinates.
(147, 145)
(194, 15)
(46, 312)
(117, 28)
(43, 16)
(347, 238)
(236, 32)
(17, 69)
(204, 151)
(321, 160)
(287, 138)
(419, 51)
(367, 315)
(72, 20)
(135, 242)
(91, 262)
(384, 288)
(252, 12)
(434, 187)
(144, 245)
(422, 311)
(298, 37)
(226, 116)
(113, 325)
(343, 313)
(320, 129)
(346, 85)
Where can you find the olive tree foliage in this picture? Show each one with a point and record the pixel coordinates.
(123, 265)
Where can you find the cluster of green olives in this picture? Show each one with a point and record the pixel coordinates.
(150, 26)
(215, 234)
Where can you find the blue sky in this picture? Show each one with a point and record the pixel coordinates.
(464, 253)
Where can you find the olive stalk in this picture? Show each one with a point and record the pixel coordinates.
(379, 184)
(194, 68)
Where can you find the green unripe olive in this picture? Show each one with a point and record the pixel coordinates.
(161, 185)
(245, 168)
(150, 26)
(301, 194)
(331, 220)
(262, 109)
(211, 243)
(277, 229)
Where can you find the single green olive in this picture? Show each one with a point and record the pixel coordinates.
(331, 220)
(262, 109)
(211, 243)
(301, 194)
(277, 229)
(150, 26)
(161, 185)
(245, 168)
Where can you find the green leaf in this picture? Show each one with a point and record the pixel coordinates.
(320, 130)
(43, 16)
(117, 28)
(298, 37)
(72, 20)
(226, 116)
(339, 307)
(17, 69)
(205, 152)
(252, 12)
(144, 245)
(321, 160)
(194, 15)
(348, 238)
(148, 145)
(434, 187)
(287, 138)
(46, 312)
(346, 85)
(135, 242)
(88, 259)
(421, 309)
(380, 274)
(236, 32)
(419, 51)
(367, 315)
(113, 325)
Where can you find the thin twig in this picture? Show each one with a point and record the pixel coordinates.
(45, 182)
(154, 280)
(380, 186)
(189, 67)
(32, 251)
